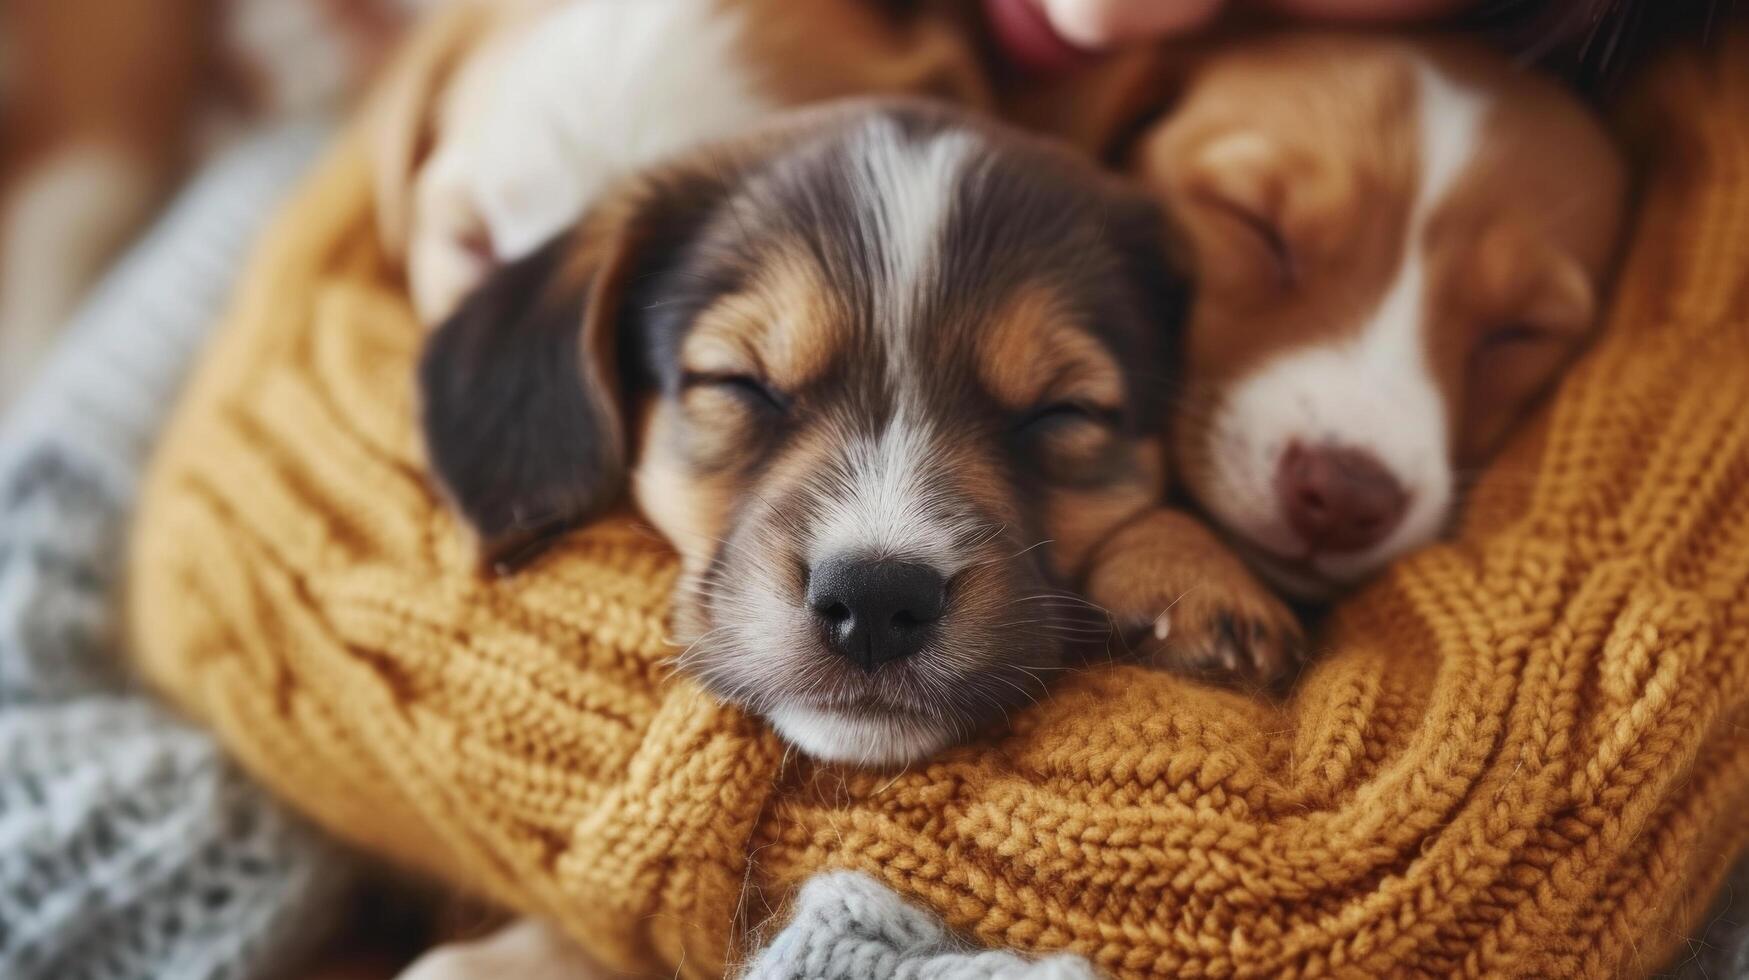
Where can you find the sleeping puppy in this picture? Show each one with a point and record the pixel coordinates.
(1397, 246)
(890, 379)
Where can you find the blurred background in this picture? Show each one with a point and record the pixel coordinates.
(105, 105)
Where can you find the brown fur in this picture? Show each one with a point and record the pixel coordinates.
(1290, 162)
(1192, 604)
(125, 80)
(749, 348)
(1325, 181)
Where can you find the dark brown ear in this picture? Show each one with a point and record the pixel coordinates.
(523, 387)
(521, 402)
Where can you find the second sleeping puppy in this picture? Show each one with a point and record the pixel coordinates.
(887, 376)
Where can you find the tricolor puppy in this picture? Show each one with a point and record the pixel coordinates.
(889, 378)
(1397, 247)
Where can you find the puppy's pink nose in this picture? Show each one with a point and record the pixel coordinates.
(1339, 499)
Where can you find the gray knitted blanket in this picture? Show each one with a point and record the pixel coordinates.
(129, 846)
(848, 926)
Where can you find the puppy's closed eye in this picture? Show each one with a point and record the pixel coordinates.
(523, 389)
(1515, 336)
(1232, 193)
(746, 389)
(1068, 440)
(1260, 233)
(1054, 416)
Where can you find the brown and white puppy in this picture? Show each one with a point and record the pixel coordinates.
(890, 379)
(90, 112)
(1397, 247)
(506, 118)
(100, 111)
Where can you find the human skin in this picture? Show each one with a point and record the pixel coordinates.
(1099, 24)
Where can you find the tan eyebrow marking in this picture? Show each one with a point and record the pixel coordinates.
(783, 327)
(1032, 354)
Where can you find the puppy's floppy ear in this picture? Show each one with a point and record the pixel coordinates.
(522, 408)
(524, 385)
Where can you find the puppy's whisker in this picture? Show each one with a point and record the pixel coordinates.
(681, 659)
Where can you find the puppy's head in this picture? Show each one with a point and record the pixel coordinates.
(1397, 248)
(884, 377)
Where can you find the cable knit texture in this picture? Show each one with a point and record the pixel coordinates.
(131, 848)
(1521, 753)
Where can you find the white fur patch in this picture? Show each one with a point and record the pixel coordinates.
(882, 503)
(592, 90)
(905, 192)
(1373, 390)
(859, 739)
(596, 89)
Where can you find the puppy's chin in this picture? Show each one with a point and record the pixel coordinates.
(1322, 579)
(863, 739)
(1296, 580)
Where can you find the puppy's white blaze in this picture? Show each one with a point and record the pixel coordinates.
(595, 89)
(1373, 390)
(905, 189)
(859, 739)
(881, 504)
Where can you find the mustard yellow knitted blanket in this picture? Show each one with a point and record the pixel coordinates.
(1522, 753)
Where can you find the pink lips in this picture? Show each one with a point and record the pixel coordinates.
(1028, 38)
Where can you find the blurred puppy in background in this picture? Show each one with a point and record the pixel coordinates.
(102, 107)
(1397, 245)
(507, 117)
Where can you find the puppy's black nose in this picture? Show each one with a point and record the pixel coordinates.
(875, 611)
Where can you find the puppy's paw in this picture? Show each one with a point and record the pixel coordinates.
(1243, 636)
(1182, 601)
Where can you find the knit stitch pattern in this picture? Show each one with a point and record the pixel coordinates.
(848, 926)
(1520, 753)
